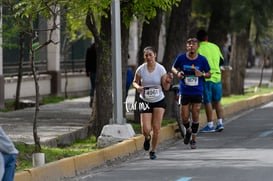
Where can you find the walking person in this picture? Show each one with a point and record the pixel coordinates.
(191, 68)
(91, 69)
(150, 79)
(129, 79)
(212, 85)
(9, 153)
(226, 52)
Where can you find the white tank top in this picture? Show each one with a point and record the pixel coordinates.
(151, 81)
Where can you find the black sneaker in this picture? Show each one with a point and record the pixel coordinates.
(193, 144)
(146, 144)
(152, 155)
(187, 137)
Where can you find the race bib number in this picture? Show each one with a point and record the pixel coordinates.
(191, 81)
(151, 93)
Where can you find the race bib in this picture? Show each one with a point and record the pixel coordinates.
(191, 81)
(151, 93)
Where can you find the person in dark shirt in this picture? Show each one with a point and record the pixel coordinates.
(91, 68)
(129, 79)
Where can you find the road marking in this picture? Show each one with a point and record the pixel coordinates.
(184, 179)
(266, 133)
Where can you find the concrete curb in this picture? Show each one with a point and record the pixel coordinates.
(67, 139)
(70, 167)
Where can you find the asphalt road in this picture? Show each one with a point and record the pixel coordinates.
(242, 152)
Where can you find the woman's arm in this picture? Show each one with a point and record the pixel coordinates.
(136, 85)
(166, 80)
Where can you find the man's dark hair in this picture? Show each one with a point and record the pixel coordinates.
(201, 35)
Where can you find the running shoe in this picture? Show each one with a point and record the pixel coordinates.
(193, 144)
(219, 127)
(152, 155)
(146, 144)
(207, 129)
(187, 137)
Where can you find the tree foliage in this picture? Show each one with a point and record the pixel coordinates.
(247, 22)
(143, 10)
(146, 10)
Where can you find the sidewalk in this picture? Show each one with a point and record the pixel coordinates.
(59, 123)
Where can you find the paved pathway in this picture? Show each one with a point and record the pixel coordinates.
(62, 120)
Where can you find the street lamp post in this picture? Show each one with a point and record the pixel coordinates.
(116, 63)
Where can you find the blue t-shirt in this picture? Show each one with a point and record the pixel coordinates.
(191, 85)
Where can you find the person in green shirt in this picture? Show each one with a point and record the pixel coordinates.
(212, 85)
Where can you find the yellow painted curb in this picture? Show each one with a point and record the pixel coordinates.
(167, 132)
(86, 161)
(139, 142)
(120, 149)
(51, 171)
(23, 176)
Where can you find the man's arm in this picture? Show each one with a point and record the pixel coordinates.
(6, 145)
(179, 74)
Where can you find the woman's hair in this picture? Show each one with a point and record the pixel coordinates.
(149, 48)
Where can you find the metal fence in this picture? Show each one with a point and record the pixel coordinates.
(11, 69)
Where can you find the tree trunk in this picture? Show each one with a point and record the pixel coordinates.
(238, 62)
(66, 54)
(37, 95)
(217, 33)
(37, 109)
(149, 37)
(103, 104)
(219, 21)
(271, 78)
(20, 71)
(178, 30)
(102, 112)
